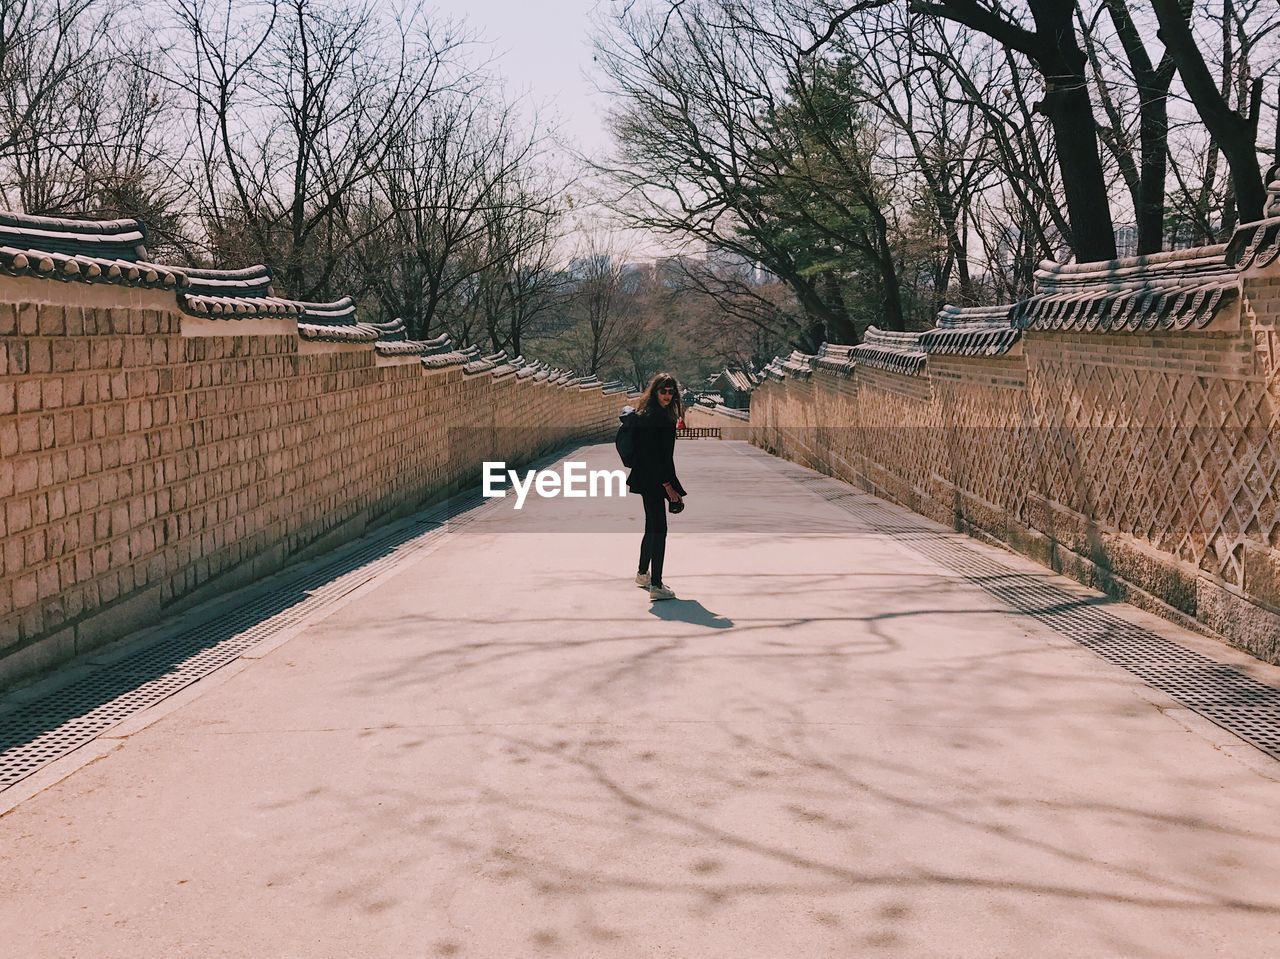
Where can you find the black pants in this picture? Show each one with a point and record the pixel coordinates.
(653, 548)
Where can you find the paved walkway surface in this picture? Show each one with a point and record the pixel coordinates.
(829, 746)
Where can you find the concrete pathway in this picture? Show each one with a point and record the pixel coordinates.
(828, 746)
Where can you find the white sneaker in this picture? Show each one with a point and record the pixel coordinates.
(642, 579)
(661, 592)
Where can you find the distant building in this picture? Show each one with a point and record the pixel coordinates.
(732, 265)
(1127, 240)
(734, 385)
(585, 267)
(673, 271)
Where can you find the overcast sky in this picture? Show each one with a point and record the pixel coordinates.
(543, 48)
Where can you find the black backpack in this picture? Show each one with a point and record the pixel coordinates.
(625, 441)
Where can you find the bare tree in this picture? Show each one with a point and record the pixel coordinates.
(1051, 44)
(1128, 88)
(84, 123)
(920, 78)
(459, 204)
(42, 47)
(521, 285)
(296, 107)
(1234, 130)
(603, 300)
(730, 138)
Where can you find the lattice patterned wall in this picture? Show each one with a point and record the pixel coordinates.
(1148, 465)
(1166, 440)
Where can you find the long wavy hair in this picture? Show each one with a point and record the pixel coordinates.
(649, 405)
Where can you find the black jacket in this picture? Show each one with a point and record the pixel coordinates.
(654, 460)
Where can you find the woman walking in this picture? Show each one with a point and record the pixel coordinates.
(653, 475)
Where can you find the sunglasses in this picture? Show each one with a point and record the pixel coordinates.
(666, 389)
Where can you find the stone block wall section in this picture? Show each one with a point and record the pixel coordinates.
(1121, 426)
(732, 424)
(150, 458)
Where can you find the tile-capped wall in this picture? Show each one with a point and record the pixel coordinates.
(1145, 464)
(141, 469)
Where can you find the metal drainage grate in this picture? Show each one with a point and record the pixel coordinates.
(1221, 693)
(1258, 727)
(37, 733)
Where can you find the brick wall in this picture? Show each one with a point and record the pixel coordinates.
(1145, 465)
(145, 464)
(730, 428)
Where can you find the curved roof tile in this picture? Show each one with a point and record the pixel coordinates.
(1257, 244)
(773, 370)
(890, 350)
(1174, 290)
(91, 239)
(835, 358)
(799, 365)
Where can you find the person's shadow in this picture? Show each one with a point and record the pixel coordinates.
(689, 611)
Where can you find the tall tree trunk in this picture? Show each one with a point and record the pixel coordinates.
(892, 289)
(840, 328)
(1153, 133)
(515, 335)
(1067, 105)
(1234, 134)
(1055, 51)
(1153, 127)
